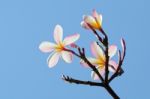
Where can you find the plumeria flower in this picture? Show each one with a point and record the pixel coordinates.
(59, 49)
(99, 60)
(94, 21)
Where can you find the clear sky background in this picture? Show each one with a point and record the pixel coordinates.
(24, 24)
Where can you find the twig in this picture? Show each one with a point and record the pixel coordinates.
(121, 59)
(119, 66)
(72, 80)
(82, 56)
(105, 43)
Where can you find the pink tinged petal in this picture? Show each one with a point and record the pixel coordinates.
(58, 34)
(112, 50)
(94, 13)
(84, 63)
(113, 66)
(90, 20)
(96, 50)
(71, 39)
(67, 56)
(95, 76)
(102, 71)
(92, 61)
(85, 25)
(53, 59)
(99, 19)
(46, 46)
(97, 16)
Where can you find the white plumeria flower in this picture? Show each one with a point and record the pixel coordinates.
(94, 21)
(99, 60)
(58, 49)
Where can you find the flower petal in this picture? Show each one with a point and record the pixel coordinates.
(112, 50)
(91, 21)
(53, 59)
(97, 51)
(67, 56)
(83, 63)
(85, 25)
(71, 39)
(92, 61)
(46, 46)
(97, 17)
(95, 76)
(113, 66)
(58, 34)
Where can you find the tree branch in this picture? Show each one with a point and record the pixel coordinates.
(90, 64)
(82, 56)
(119, 68)
(105, 43)
(72, 80)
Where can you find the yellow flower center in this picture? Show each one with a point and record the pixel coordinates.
(101, 63)
(59, 47)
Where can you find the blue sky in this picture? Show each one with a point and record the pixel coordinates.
(24, 24)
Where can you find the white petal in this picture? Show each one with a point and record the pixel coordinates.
(53, 59)
(85, 25)
(67, 56)
(71, 39)
(112, 50)
(46, 46)
(114, 64)
(90, 20)
(97, 16)
(92, 60)
(102, 71)
(100, 18)
(95, 76)
(83, 63)
(58, 34)
(96, 50)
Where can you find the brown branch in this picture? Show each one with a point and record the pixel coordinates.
(89, 63)
(121, 59)
(111, 91)
(90, 83)
(94, 31)
(82, 56)
(105, 81)
(105, 43)
(119, 67)
(72, 80)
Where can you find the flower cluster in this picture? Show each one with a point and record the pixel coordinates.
(102, 62)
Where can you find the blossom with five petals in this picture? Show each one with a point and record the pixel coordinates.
(59, 48)
(100, 59)
(94, 21)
